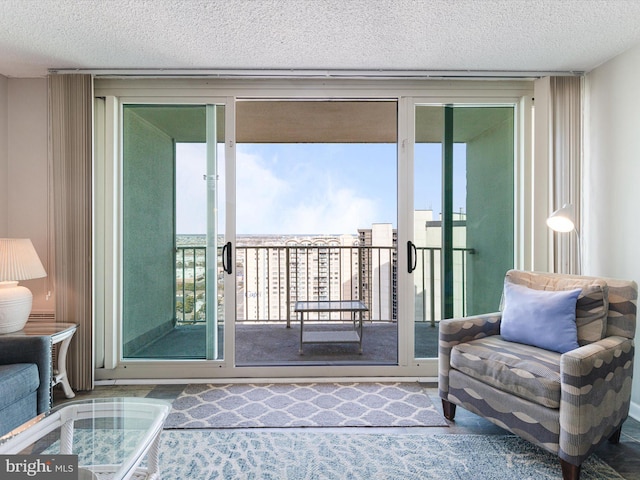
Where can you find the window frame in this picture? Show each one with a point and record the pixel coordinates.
(107, 201)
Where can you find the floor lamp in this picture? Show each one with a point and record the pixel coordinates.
(564, 220)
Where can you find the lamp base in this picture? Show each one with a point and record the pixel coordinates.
(15, 306)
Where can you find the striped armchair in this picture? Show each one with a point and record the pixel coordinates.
(566, 403)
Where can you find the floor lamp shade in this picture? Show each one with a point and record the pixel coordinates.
(563, 219)
(18, 261)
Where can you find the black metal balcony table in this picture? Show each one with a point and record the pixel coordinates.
(355, 307)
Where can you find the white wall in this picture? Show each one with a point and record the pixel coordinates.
(4, 149)
(611, 230)
(25, 202)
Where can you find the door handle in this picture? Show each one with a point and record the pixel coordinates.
(227, 258)
(412, 256)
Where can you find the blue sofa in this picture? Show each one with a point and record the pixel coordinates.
(25, 379)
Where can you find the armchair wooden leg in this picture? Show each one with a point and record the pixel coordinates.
(569, 470)
(449, 409)
(615, 436)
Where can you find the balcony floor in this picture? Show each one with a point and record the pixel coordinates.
(274, 344)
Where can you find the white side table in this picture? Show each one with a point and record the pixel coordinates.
(59, 332)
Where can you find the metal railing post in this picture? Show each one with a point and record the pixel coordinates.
(288, 284)
(432, 285)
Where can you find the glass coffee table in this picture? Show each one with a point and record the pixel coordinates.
(110, 436)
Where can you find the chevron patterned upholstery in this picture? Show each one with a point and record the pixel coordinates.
(565, 403)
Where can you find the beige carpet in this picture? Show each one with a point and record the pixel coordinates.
(304, 405)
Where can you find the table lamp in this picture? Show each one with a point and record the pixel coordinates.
(18, 261)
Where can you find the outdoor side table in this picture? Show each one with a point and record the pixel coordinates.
(355, 307)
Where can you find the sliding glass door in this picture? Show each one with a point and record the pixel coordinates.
(172, 232)
(316, 216)
(463, 214)
(220, 204)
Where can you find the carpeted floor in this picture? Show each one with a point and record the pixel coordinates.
(312, 455)
(304, 405)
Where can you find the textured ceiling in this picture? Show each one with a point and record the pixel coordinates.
(415, 35)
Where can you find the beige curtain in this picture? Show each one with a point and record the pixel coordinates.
(566, 158)
(70, 122)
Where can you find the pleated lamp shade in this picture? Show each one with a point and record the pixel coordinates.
(18, 261)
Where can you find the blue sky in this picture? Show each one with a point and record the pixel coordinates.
(311, 188)
(319, 188)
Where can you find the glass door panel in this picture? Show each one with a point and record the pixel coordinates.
(148, 231)
(463, 230)
(487, 134)
(316, 219)
(172, 157)
(427, 228)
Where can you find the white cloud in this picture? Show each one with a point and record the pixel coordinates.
(297, 200)
(336, 211)
(191, 189)
(274, 196)
(260, 195)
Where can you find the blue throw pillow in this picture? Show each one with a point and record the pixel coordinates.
(542, 318)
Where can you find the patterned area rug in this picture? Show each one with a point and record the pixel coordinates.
(304, 405)
(304, 454)
(307, 455)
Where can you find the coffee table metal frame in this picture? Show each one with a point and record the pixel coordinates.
(355, 307)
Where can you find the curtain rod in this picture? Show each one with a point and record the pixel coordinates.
(318, 74)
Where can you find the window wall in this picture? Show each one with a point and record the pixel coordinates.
(478, 161)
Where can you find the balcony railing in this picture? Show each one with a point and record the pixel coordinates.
(270, 279)
(191, 283)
